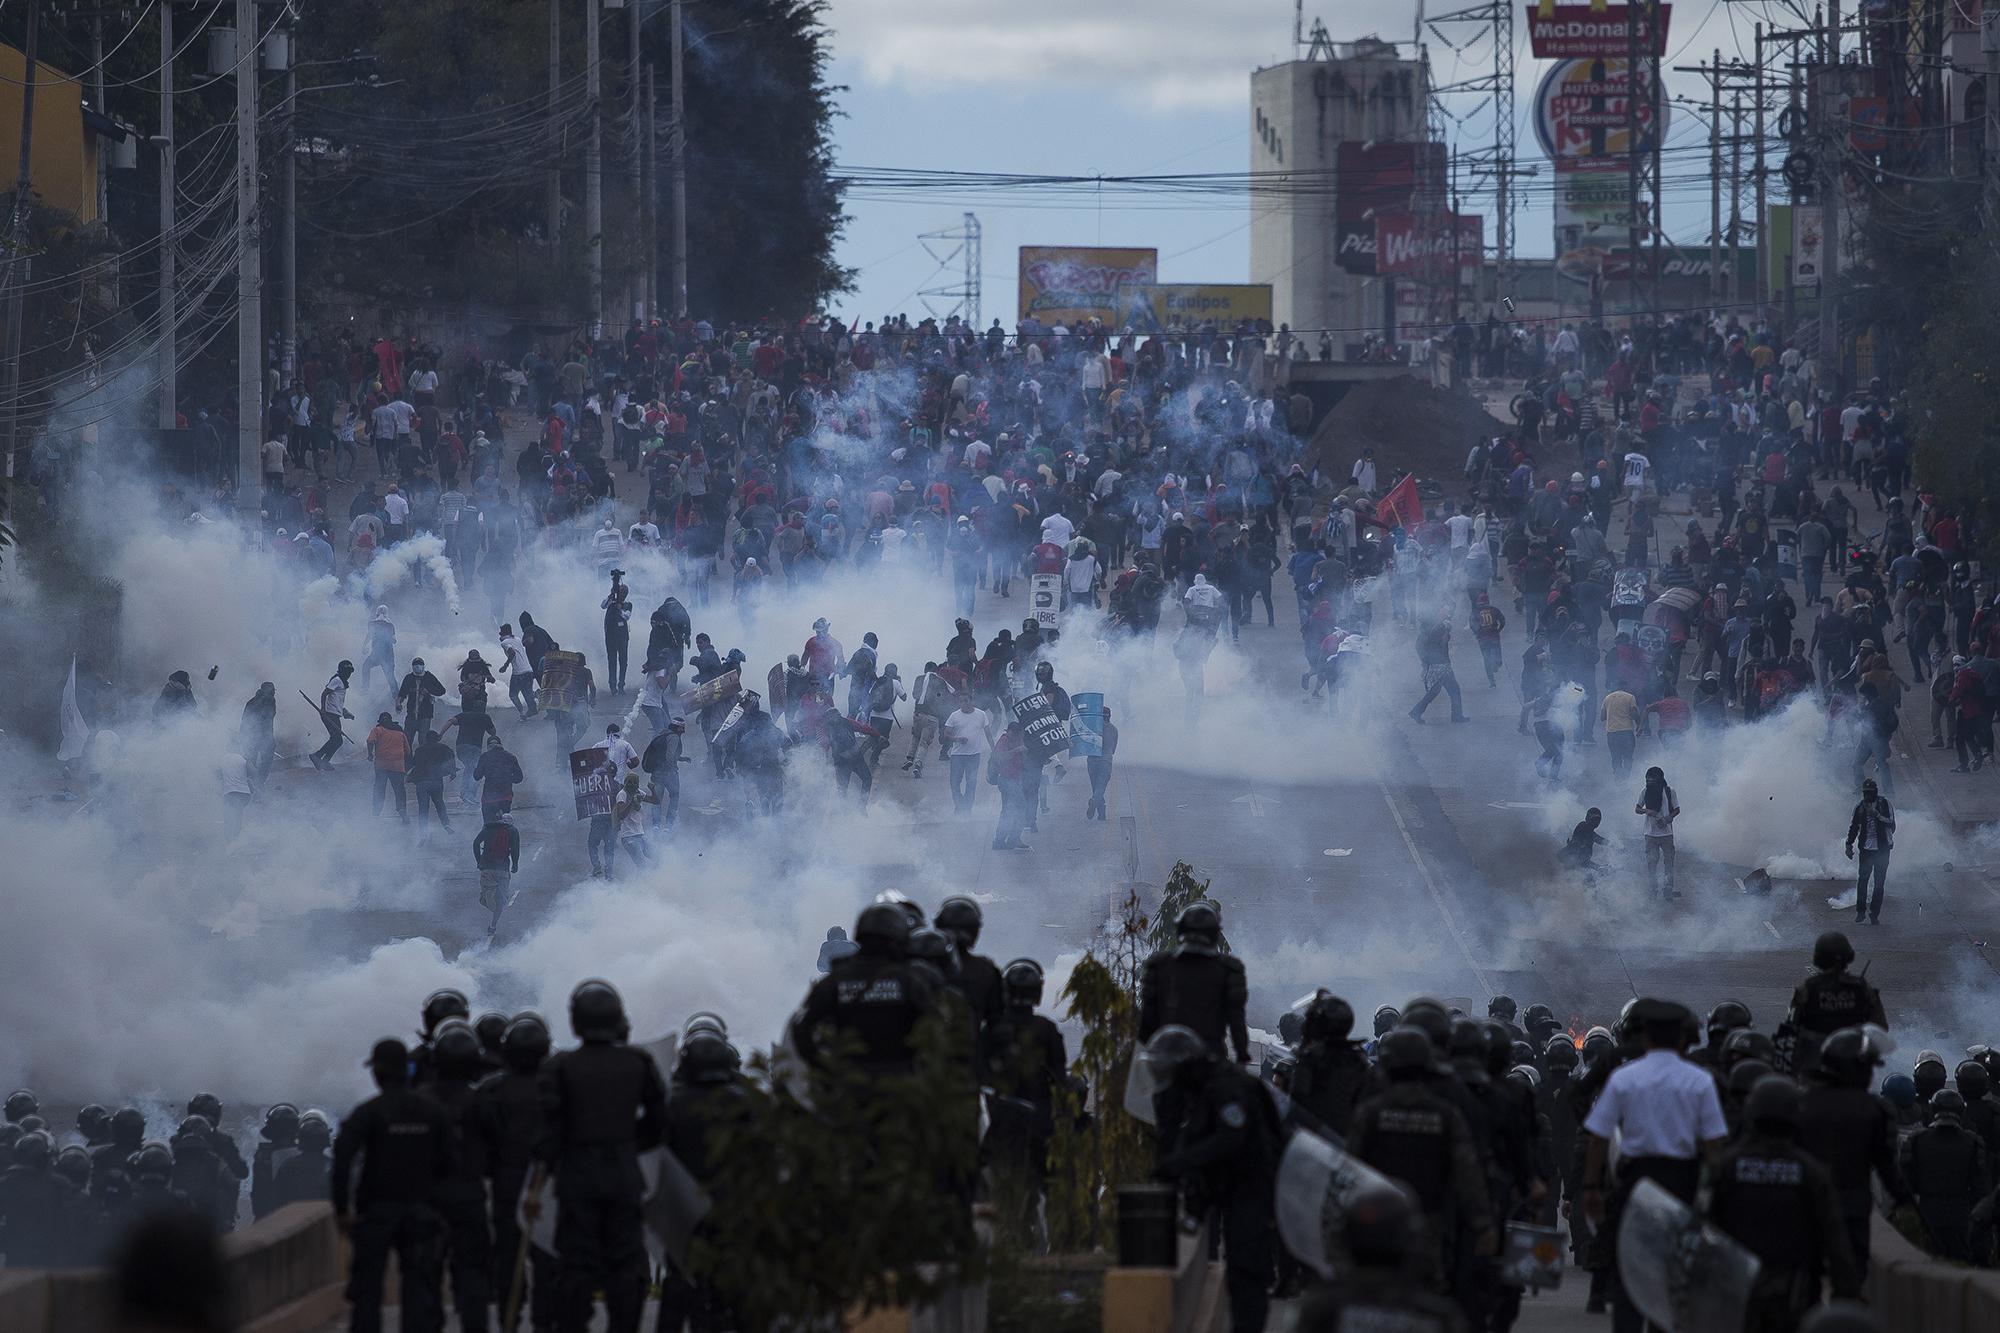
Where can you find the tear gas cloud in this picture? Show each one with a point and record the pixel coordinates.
(147, 956)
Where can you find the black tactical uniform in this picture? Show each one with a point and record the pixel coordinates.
(1376, 1289)
(1779, 1203)
(707, 1086)
(307, 1175)
(128, 1133)
(1947, 1167)
(510, 1119)
(1327, 1075)
(602, 1105)
(1229, 1142)
(1826, 1001)
(1414, 1134)
(461, 1199)
(277, 1142)
(40, 1211)
(403, 1140)
(1195, 987)
(1852, 1132)
(1023, 1060)
(975, 976)
(873, 997)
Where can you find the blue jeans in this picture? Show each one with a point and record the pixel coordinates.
(964, 780)
(468, 786)
(1875, 864)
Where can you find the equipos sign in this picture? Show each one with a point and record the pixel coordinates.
(1150, 308)
(1076, 282)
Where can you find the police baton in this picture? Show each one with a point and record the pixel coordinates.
(536, 1179)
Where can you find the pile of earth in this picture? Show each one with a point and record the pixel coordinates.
(1409, 424)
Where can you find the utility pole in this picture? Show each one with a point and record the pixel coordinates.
(593, 164)
(17, 232)
(649, 192)
(677, 151)
(1832, 184)
(1763, 224)
(1715, 182)
(1735, 198)
(249, 265)
(97, 101)
(169, 311)
(288, 239)
(636, 142)
(555, 140)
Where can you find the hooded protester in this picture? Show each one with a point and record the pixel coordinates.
(416, 694)
(257, 736)
(176, 697)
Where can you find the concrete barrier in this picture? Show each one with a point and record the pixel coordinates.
(1908, 1289)
(1183, 1299)
(284, 1276)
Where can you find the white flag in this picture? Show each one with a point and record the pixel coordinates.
(75, 731)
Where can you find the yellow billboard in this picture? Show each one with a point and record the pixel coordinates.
(1151, 307)
(1067, 283)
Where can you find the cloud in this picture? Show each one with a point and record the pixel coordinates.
(1159, 55)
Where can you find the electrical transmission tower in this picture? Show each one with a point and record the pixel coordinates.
(1498, 162)
(957, 248)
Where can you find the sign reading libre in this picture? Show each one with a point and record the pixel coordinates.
(1562, 32)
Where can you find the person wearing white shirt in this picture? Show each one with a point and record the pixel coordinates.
(1664, 1113)
(397, 506)
(643, 533)
(966, 743)
(619, 751)
(1057, 530)
(1459, 528)
(1080, 579)
(1637, 465)
(1363, 474)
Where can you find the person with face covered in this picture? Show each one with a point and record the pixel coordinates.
(416, 695)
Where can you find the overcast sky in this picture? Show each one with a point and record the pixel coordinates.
(1124, 87)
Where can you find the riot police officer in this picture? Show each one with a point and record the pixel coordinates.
(439, 1005)
(1852, 1131)
(1779, 1203)
(403, 1141)
(21, 1103)
(128, 1134)
(198, 1174)
(973, 975)
(1501, 1009)
(1229, 1143)
(1328, 1075)
(1196, 985)
(1023, 1059)
(209, 1108)
(707, 1085)
(1727, 1017)
(1377, 1288)
(456, 1064)
(1414, 1133)
(873, 996)
(277, 1142)
(94, 1123)
(39, 1209)
(510, 1119)
(1948, 1169)
(602, 1105)
(1827, 1001)
(1982, 1117)
(307, 1175)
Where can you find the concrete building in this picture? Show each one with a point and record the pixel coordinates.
(1311, 219)
(69, 135)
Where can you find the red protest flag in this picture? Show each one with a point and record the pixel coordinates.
(1402, 504)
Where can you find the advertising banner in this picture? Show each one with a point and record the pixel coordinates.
(1067, 283)
(1402, 245)
(1371, 178)
(595, 780)
(1564, 32)
(1149, 309)
(1593, 218)
(1580, 115)
(1808, 245)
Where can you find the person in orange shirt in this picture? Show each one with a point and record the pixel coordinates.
(389, 751)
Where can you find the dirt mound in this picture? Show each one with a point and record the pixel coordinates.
(1408, 423)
